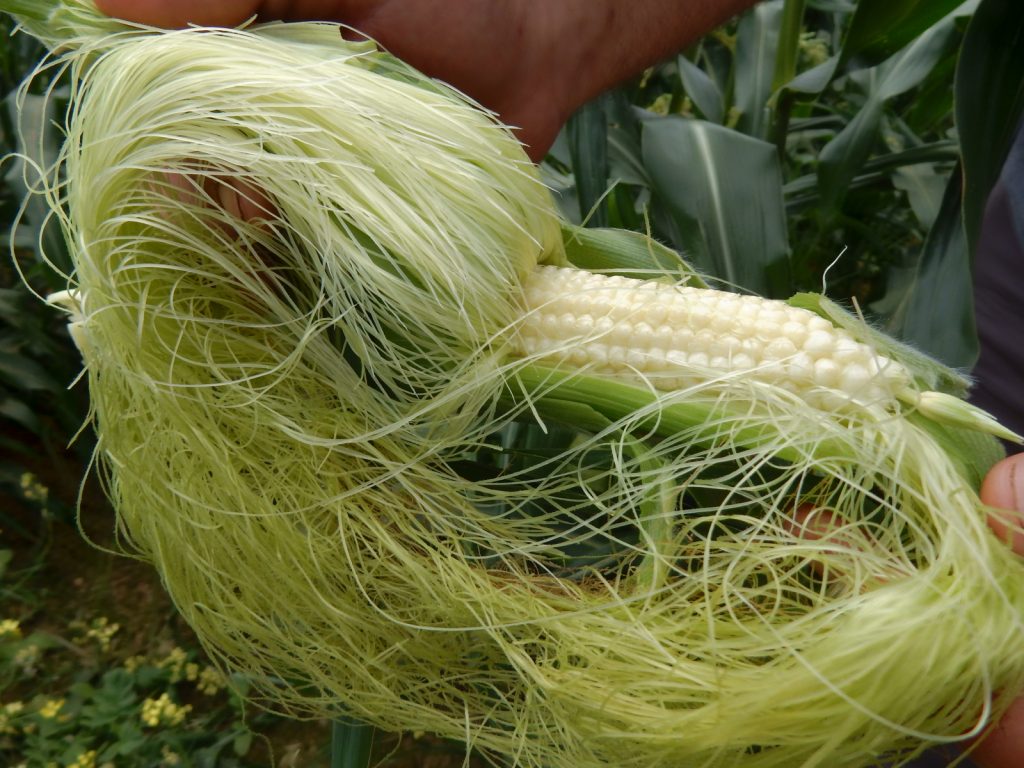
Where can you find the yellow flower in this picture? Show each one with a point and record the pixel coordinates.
(32, 489)
(163, 711)
(102, 630)
(661, 105)
(7, 715)
(85, 760)
(26, 658)
(175, 657)
(132, 663)
(10, 628)
(151, 710)
(175, 662)
(210, 681)
(51, 708)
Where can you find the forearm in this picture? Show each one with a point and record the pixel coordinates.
(573, 50)
(570, 51)
(532, 62)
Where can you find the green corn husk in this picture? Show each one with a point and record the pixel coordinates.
(318, 427)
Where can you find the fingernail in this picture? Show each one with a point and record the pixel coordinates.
(1011, 476)
(1016, 465)
(1004, 488)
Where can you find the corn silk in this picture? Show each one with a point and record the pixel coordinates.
(320, 427)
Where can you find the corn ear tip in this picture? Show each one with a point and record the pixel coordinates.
(949, 409)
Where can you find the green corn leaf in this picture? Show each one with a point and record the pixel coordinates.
(879, 28)
(804, 191)
(611, 400)
(924, 187)
(942, 280)
(38, 147)
(24, 373)
(351, 744)
(587, 132)
(757, 42)
(846, 154)
(702, 90)
(973, 451)
(621, 252)
(730, 185)
(788, 51)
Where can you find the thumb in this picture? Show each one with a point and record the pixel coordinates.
(1004, 489)
(1003, 747)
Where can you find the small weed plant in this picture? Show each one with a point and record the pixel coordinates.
(73, 695)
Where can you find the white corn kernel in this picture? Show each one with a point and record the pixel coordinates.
(826, 372)
(820, 342)
(779, 348)
(699, 360)
(676, 335)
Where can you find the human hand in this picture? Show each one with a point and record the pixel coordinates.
(531, 63)
(1004, 488)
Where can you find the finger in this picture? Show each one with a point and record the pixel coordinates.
(1004, 489)
(174, 14)
(812, 523)
(239, 199)
(536, 139)
(244, 201)
(1004, 745)
(536, 124)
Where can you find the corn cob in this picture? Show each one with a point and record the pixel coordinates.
(677, 336)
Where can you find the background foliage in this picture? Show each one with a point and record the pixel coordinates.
(810, 143)
(860, 139)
